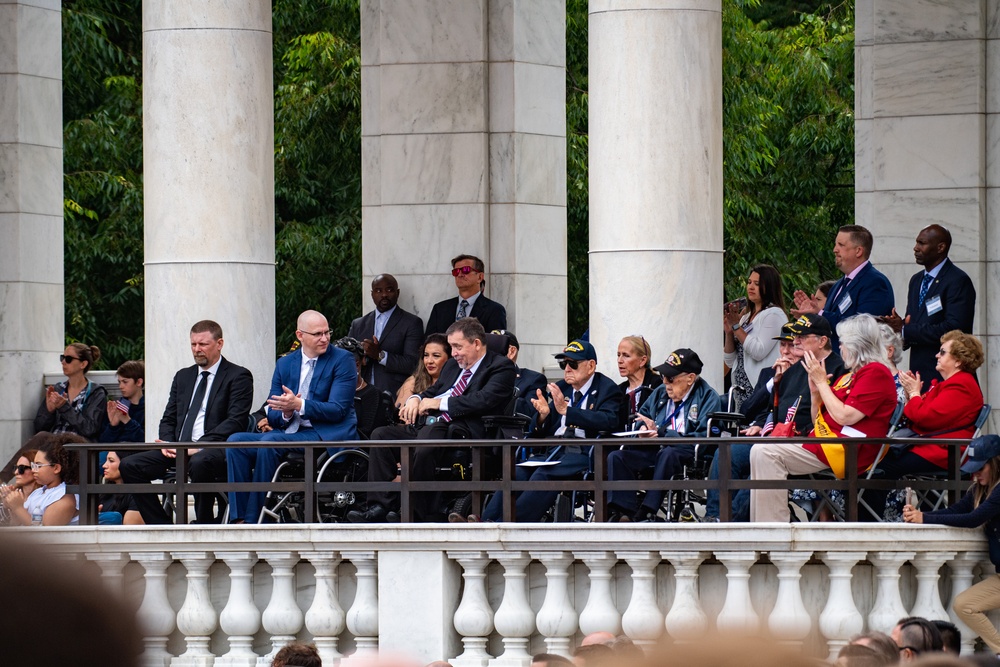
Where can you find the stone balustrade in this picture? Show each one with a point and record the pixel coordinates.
(490, 595)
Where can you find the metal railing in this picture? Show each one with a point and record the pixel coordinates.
(89, 489)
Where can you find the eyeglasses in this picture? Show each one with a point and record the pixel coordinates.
(943, 352)
(20, 470)
(679, 375)
(38, 466)
(319, 334)
(572, 363)
(66, 358)
(462, 271)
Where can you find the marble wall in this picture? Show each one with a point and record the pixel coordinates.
(464, 151)
(31, 209)
(656, 176)
(209, 186)
(926, 99)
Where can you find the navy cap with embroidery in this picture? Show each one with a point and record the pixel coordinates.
(787, 333)
(981, 450)
(680, 361)
(812, 324)
(578, 350)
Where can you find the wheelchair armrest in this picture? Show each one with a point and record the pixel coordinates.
(491, 421)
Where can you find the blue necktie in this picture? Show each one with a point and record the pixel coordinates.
(924, 286)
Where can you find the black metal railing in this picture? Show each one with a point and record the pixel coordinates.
(89, 487)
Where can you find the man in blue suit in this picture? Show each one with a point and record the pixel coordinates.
(320, 407)
(863, 289)
(941, 298)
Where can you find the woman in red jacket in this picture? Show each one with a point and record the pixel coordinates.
(948, 410)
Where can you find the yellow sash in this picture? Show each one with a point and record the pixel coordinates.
(834, 452)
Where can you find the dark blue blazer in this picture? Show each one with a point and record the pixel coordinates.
(870, 293)
(528, 383)
(922, 336)
(604, 409)
(401, 340)
(490, 314)
(330, 406)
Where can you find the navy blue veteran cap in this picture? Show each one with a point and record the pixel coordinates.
(787, 332)
(981, 450)
(578, 350)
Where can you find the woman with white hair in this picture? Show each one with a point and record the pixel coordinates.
(858, 404)
(893, 343)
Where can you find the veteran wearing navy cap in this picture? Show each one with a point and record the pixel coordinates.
(583, 404)
(678, 408)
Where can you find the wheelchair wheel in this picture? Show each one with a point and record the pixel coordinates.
(347, 465)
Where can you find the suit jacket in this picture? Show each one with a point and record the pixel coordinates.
(604, 409)
(794, 383)
(870, 293)
(922, 336)
(401, 339)
(330, 405)
(489, 313)
(488, 393)
(228, 407)
(528, 383)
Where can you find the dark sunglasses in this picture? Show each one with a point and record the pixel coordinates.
(20, 470)
(572, 363)
(66, 358)
(462, 270)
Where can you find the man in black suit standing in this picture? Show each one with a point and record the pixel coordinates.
(390, 335)
(208, 402)
(469, 273)
(473, 383)
(940, 298)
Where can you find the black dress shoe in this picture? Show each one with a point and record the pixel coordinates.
(374, 514)
(392, 517)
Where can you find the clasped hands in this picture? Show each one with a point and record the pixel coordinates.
(804, 304)
(911, 383)
(287, 402)
(816, 369)
(559, 402)
(894, 320)
(413, 409)
(54, 400)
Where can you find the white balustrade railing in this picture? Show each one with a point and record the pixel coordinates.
(492, 595)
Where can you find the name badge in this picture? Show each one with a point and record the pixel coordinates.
(748, 327)
(934, 305)
(844, 304)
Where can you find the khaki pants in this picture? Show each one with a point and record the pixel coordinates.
(777, 460)
(972, 604)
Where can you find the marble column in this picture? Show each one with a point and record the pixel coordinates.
(926, 138)
(463, 150)
(31, 210)
(656, 177)
(208, 152)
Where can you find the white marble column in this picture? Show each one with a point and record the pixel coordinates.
(656, 177)
(464, 151)
(208, 152)
(926, 138)
(31, 210)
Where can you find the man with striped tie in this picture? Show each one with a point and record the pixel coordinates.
(475, 382)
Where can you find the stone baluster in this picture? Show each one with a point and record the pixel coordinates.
(155, 615)
(840, 618)
(474, 617)
(686, 620)
(196, 619)
(928, 599)
(888, 607)
(600, 613)
(325, 618)
(240, 619)
(962, 567)
(642, 620)
(362, 617)
(789, 620)
(514, 619)
(282, 617)
(557, 619)
(111, 564)
(737, 613)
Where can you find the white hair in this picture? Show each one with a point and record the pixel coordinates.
(861, 342)
(891, 339)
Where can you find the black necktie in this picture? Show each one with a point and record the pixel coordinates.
(192, 413)
(576, 398)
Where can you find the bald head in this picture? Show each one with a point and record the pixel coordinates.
(599, 637)
(385, 292)
(932, 246)
(313, 332)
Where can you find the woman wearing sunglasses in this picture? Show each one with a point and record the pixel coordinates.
(49, 505)
(23, 482)
(76, 405)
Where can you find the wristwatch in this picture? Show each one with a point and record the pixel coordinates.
(735, 327)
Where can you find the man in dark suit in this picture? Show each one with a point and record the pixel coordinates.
(469, 273)
(528, 381)
(940, 298)
(863, 289)
(208, 402)
(390, 335)
(584, 404)
(321, 408)
(473, 383)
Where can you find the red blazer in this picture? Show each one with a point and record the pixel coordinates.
(950, 404)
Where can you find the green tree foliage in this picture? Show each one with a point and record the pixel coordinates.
(577, 175)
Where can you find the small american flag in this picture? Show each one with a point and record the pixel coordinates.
(792, 409)
(768, 425)
(122, 405)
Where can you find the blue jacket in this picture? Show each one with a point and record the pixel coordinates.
(330, 405)
(870, 292)
(700, 403)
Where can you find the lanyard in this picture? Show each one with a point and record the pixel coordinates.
(672, 415)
